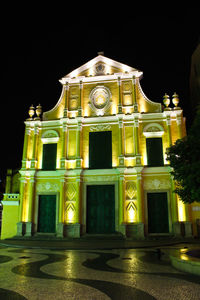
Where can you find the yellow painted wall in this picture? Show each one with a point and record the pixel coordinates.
(129, 140)
(10, 220)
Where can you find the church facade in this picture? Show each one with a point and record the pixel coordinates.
(96, 162)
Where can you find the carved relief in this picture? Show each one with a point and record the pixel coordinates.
(71, 191)
(70, 207)
(50, 134)
(156, 184)
(131, 206)
(152, 129)
(100, 128)
(130, 190)
(100, 100)
(100, 69)
(99, 178)
(47, 187)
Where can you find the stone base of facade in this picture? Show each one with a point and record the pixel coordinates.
(182, 229)
(72, 230)
(135, 230)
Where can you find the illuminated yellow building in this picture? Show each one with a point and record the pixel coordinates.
(96, 163)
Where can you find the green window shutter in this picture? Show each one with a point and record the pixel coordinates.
(100, 150)
(154, 152)
(49, 156)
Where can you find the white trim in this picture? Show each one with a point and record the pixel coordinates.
(50, 140)
(155, 104)
(153, 134)
(10, 203)
(45, 114)
(157, 130)
(159, 127)
(50, 136)
(94, 61)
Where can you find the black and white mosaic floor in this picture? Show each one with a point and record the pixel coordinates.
(94, 275)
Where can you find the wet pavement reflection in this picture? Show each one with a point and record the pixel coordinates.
(101, 274)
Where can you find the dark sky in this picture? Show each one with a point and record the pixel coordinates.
(39, 54)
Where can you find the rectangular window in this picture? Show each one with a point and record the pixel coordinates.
(100, 150)
(49, 156)
(154, 152)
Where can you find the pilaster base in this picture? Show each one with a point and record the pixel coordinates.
(122, 229)
(63, 163)
(138, 160)
(33, 163)
(29, 228)
(72, 230)
(188, 229)
(135, 230)
(121, 161)
(78, 163)
(60, 230)
(21, 226)
(176, 226)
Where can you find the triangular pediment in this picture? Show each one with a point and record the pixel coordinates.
(98, 66)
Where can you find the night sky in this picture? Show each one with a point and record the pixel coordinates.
(39, 54)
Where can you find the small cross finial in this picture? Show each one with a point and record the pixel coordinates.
(100, 53)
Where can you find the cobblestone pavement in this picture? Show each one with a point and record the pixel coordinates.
(142, 274)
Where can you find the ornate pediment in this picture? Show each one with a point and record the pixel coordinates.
(100, 66)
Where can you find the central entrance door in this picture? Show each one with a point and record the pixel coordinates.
(100, 209)
(47, 214)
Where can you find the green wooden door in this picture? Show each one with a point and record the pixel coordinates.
(158, 219)
(47, 214)
(100, 150)
(100, 209)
